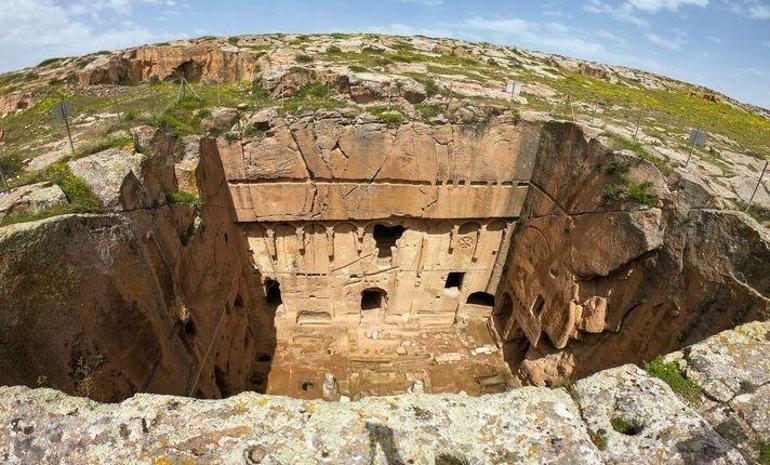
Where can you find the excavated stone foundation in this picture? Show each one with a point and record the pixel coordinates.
(343, 258)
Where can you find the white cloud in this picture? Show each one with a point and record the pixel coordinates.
(753, 9)
(758, 11)
(766, 43)
(672, 43)
(628, 11)
(622, 12)
(424, 2)
(34, 30)
(547, 35)
(612, 37)
(654, 6)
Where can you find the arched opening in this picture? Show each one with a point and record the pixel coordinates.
(483, 298)
(515, 347)
(273, 293)
(373, 299)
(186, 334)
(385, 237)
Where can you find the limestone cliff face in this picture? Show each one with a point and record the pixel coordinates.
(362, 169)
(197, 62)
(593, 282)
(150, 297)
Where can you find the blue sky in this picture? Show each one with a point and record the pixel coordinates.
(723, 44)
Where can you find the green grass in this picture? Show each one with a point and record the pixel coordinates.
(80, 196)
(184, 197)
(671, 108)
(313, 96)
(253, 131)
(11, 164)
(623, 189)
(613, 192)
(431, 88)
(51, 62)
(620, 142)
(618, 167)
(670, 374)
(315, 89)
(428, 111)
(154, 104)
(303, 58)
(763, 447)
(449, 71)
(387, 115)
(120, 141)
(640, 193)
(627, 427)
(758, 212)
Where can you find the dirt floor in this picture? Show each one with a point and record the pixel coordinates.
(372, 361)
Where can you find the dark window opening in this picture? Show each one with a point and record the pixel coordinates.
(189, 329)
(454, 279)
(186, 333)
(537, 307)
(238, 303)
(307, 385)
(372, 299)
(264, 357)
(258, 379)
(481, 298)
(386, 237)
(273, 293)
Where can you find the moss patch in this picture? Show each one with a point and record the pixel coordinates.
(670, 374)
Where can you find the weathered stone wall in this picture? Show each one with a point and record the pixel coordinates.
(308, 192)
(195, 62)
(149, 297)
(585, 424)
(332, 168)
(324, 268)
(592, 283)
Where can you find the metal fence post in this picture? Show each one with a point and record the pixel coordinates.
(756, 188)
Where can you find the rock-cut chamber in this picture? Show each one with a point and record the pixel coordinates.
(349, 258)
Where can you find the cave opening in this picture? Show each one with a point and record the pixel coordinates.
(373, 299)
(273, 293)
(386, 237)
(484, 299)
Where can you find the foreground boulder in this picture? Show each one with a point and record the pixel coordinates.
(31, 199)
(618, 416)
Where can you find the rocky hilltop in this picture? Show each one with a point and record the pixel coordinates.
(345, 216)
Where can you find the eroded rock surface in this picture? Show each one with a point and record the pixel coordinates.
(31, 199)
(526, 425)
